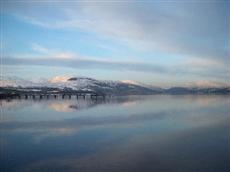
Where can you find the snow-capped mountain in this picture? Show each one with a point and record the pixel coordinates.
(80, 84)
(109, 87)
(61, 83)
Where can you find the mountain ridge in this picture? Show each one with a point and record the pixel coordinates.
(103, 86)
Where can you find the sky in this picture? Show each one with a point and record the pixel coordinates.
(161, 43)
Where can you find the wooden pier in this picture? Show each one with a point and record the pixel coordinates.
(51, 95)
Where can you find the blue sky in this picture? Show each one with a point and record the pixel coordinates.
(163, 43)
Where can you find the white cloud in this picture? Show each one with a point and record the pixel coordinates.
(52, 52)
(198, 29)
(38, 48)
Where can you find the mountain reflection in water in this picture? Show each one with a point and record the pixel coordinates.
(137, 133)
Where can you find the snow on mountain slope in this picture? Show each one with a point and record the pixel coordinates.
(62, 82)
(79, 83)
(13, 81)
(59, 79)
(100, 86)
(85, 83)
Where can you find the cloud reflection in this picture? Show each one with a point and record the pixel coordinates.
(167, 152)
(114, 137)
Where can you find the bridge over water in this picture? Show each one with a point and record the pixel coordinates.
(54, 95)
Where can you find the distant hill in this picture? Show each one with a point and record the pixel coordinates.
(184, 90)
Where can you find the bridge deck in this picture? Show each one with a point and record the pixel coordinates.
(47, 95)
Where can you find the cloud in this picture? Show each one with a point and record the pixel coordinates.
(197, 29)
(183, 69)
(51, 52)
(38, 48)
(84, 63)
(196, 32)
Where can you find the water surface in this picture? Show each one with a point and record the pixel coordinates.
(126, 134)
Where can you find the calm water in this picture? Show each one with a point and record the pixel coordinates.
(125, 134)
